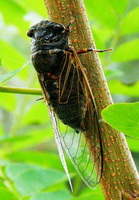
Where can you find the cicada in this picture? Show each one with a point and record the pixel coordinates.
(67, 91)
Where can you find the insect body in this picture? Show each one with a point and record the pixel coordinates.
(53, 60)
(67, 91)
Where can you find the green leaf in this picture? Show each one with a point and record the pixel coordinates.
(2, 185)
(6, 77)
(58, 195)
(123, 117)
(34, 136)
(37, 113)
(127, 51)
(13, 13)
(47, 159)
(130, 72)
(110, 11)
(5, 194)
(88, 194)
(119, 7)
(14, 170)
(131, 19)
(11, 57)
(8, 101)
(113, 74)
(34, 5)
(31, 179)
(116, 87)
(9, 139)
(133, 144)
(94, 196)
(99, 40)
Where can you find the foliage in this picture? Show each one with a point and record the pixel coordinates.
(30, 166)
(123, 117)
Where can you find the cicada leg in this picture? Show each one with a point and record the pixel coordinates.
(93, 50)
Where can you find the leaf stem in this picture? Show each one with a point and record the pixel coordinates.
(18, 90)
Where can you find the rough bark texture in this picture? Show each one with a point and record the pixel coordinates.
(119, 173)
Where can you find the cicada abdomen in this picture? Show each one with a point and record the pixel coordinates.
(66, 89)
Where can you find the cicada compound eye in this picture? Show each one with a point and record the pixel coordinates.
(30, 33)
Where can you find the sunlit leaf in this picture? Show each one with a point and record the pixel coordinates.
(13, 13)
(116, 87)
(101, 42)
(1, 130)
(123, 117)
(11, 57)
(8, 105)
(129, 71)
(46, 159)
(119, 7)
(113, 74)
(58, 195)
(32, 179)
(37, 135)
(32, 5)
(96, 196)
(14, 170)
(37, 113)
(131, 19)
(6, 194)
(133, 144)
(109, 10)
(127, 51)
(10, 139)
(6, 77)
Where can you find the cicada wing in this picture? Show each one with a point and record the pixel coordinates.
(59, 144)
(83, 148)
(77, 148)
(55, 128)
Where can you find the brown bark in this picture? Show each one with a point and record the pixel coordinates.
(120, 173)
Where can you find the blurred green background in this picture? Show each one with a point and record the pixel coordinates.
(30, 165)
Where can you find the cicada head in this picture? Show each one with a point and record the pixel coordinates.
(48, 35)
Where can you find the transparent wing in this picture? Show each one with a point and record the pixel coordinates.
(84, 148)
(55, 128)
(85, 152)
(59, 144)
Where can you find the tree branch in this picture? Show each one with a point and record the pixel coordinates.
(119, 173)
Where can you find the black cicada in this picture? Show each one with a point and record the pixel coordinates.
(67, 92)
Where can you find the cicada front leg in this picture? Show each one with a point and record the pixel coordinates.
(93, 50)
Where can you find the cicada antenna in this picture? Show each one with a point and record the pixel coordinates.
(71, 22)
